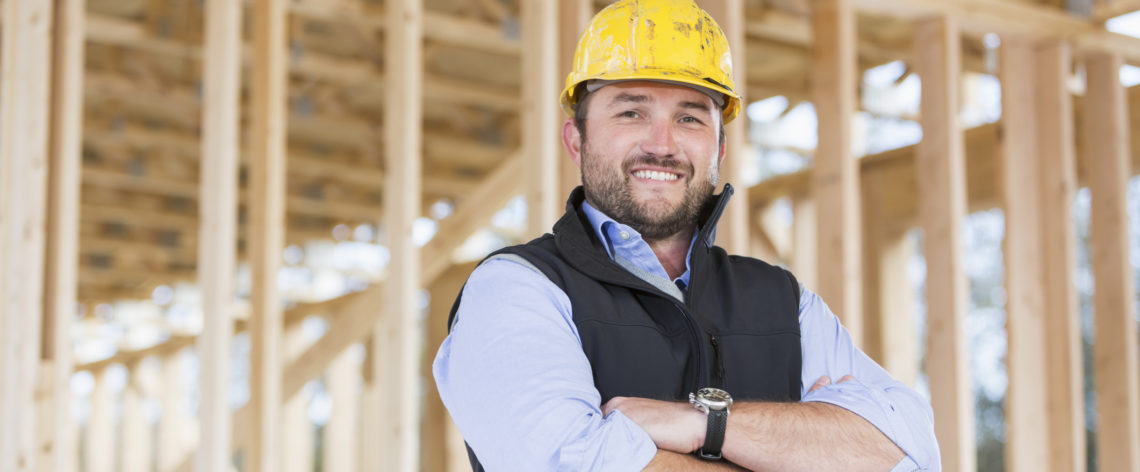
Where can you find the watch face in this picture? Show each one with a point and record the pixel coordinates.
(714, 398)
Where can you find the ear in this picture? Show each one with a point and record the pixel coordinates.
(723, 151)
(572, 141)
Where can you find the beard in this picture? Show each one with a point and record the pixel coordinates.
(655, 218)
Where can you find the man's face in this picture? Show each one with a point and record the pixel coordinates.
(650, 156)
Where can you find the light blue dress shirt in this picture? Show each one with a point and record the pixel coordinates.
(513, 375)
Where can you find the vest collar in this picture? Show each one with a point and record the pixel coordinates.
(707, 221)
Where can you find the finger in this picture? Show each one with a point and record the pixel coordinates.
(822, 382)
(846, 378)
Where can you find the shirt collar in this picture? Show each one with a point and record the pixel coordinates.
(622, 241)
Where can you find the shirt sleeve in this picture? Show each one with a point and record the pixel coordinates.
(513, 375)
(898, 411)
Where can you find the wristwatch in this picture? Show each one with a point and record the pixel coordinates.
(715, 403)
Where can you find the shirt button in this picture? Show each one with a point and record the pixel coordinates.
(624, 234)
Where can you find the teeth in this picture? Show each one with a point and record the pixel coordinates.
(655, 175)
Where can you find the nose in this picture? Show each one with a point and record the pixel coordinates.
(659, 139)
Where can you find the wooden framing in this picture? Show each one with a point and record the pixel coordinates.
(982, 16)
(100, 429)
(297, 431)
(172, 430)
(1105, 136)
(137, 441)
(218, 230)
(1058, 165)
(803, 258)
(1025, 404)
(25, 63)
(732, 231)
(436, 453)
(397, 339)
(573, 17)
(940, 169)
(835, 176)
(267, 213)
(341, 439)
(541, 133)
(55, 417)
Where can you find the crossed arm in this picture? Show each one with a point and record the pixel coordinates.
(764, 436)
(520, 389)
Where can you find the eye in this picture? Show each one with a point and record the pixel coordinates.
(628, 114)
(690, 119)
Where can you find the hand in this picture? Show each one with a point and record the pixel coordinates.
(674, 426)
(825, 381)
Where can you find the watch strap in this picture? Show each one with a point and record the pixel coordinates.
(714, 435)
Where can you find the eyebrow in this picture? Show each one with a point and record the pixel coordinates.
(626, 97)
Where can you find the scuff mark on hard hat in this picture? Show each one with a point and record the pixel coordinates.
(651, 27)
(682, 28)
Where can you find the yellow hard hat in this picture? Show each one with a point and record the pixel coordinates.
(661, 40)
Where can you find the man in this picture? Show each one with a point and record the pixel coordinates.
(625, 340)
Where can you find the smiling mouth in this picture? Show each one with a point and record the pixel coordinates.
(656, 175)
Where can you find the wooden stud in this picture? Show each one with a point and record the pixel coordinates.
(172, 423)
(396, 342)
(732, 231)
(804, 246)
(99, 434)
(1026, 414)
(218, 221)
(940, 170)
(1115, 351)
(25, 69)
(1057, 155)
(436, 452)
(137, 440)
(835, 173)
(341, 440)
(540, 114)
(267, 220)
(573, 17)
(297, 431)
(56, 419)
(888, 301)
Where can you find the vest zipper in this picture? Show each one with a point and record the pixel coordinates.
(695, 331)
(720, 374)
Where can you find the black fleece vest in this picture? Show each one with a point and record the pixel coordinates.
(738, 328)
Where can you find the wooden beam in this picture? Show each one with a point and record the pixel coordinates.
(267, 221)
(835, 177)
(804, 261)
(1026, 414)
(1009, 17)
(218, 232)
(99, 433)
(397, 339)
(573, 17)
(471, 214)
(25, 68)
(172, 424)
(137, 442)
(56, 422)
(541, 133)
(732, 232)
(435, 452)
(113, 30)
(1065, 399)
(1106, 10)
(940, 166)
(1115, 350)
(341, 439)
(297, 431)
